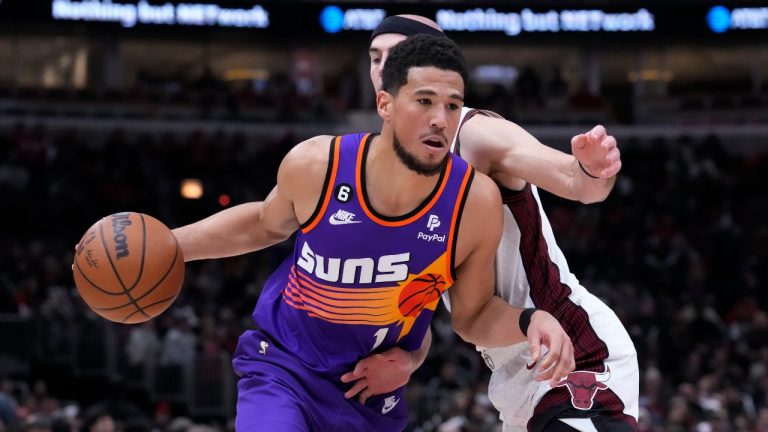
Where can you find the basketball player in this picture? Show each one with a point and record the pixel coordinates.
(531, 271)
(386, 223)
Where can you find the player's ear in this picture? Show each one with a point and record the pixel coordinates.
(384, 102)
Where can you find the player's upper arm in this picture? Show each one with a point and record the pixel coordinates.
(255, 225)
(478, 238)
(511, 156)
(299, 186)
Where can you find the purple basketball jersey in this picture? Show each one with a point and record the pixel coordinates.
(359, 282)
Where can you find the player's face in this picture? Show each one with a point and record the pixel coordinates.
(424, 117)
(378, 51)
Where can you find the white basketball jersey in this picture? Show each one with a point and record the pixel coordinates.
(531, 271)
(511, 280)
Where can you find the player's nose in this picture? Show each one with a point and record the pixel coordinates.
(438, 120)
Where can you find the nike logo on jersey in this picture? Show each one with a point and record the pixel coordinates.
(389, 404)
(531, 365)
(343, 217)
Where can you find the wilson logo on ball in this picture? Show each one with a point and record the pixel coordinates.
(128, 267)
(119, 222)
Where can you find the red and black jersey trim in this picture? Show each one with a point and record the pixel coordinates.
(546, 289)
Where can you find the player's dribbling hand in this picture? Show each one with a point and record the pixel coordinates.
(558, 361)
(597, 152)
(379, 373)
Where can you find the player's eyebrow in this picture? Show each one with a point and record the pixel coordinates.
(428, 92)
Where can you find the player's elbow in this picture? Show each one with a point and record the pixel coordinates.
(277, 236)
(268, 236)
(464, 327)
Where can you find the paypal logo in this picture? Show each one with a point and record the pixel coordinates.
(433, 222)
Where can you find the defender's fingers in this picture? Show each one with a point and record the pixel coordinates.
(349, 377)
(365, 395)
(611, 170)
(359, 386)
(608, 143)
(553, 355)
(362, 365)
(598, 133)
(564, 367)
(534, 344)
(579, 141)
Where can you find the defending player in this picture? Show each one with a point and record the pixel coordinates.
(531, 271)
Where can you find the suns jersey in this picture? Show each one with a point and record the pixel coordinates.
(359, 282)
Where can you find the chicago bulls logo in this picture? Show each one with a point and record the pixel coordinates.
(584, 385)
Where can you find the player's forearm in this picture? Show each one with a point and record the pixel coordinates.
(496, 324)
(230, 232)
(588, 189)
(524, 157)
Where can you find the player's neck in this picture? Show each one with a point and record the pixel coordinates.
(394, 189)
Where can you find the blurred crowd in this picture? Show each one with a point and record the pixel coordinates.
(533, 95)
(679, 250)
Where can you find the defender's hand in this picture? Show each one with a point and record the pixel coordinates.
(380, 373)
(558, 361)
(597, 152)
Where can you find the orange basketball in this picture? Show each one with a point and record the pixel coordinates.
(128, 267)
(420, 292)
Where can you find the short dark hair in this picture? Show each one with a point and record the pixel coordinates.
(421, 50)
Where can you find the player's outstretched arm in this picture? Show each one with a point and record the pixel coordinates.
(254, 226)
(508, 153)
(385, 372)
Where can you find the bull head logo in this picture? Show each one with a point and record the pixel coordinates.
(583, 386)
